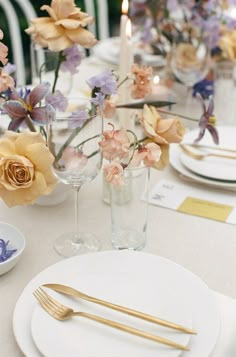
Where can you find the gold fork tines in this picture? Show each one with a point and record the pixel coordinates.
(62, 312)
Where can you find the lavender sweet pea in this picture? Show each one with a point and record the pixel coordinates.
(5, 253)
(78, 119)
(73, 57)
(104, 82)
(207, 121)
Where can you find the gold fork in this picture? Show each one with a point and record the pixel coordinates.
(62, 312)
(201, 156)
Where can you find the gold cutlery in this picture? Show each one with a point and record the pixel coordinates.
(62, 312)
(73, 292)
(202, 155)
(214, 148)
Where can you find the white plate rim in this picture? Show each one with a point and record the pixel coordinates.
(189, 162)
(176, 163)
(26, 344)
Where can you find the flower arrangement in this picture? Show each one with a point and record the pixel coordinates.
(25, 160)
(173, 21)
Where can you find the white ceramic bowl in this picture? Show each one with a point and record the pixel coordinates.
(16, 240)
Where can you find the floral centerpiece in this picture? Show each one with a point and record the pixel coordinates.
(25, 161)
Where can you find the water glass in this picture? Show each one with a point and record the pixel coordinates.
(129, 209)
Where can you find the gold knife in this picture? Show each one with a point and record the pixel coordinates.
(67, 290)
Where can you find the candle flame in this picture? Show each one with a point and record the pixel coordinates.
(128, 29)
(125, 7)
(156, 80)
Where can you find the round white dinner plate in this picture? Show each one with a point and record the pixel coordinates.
(227, 136)
(54, 338)
(123, 270)
(108, 50)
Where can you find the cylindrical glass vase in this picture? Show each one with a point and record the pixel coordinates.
(129, 216)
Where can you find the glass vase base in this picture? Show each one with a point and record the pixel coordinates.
(67, 245)
(128, 239)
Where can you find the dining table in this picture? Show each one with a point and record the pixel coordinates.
(203, 246)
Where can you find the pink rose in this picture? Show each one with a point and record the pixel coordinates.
(114, 173)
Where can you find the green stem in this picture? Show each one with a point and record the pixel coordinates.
(124, 80)
(59, 61)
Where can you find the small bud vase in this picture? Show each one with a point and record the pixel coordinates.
(129, 217)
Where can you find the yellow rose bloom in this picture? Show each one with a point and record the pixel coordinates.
(25, 168)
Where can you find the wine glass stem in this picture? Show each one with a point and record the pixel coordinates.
(76, 202)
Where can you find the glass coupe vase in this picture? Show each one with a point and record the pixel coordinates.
(74, 131)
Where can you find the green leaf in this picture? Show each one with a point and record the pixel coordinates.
(140, 104)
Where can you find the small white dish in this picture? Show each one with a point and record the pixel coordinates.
(16, 239)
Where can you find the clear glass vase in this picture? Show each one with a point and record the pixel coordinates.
(43, 68)
(129, 209)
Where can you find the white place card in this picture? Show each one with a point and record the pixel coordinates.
(198, 201)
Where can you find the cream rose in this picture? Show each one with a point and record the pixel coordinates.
(162, 131)
(25, 168)
(63, 28)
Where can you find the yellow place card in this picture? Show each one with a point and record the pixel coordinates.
(206, 209)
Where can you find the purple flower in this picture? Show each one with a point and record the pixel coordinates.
(57, 100)
(9, 68)
(207, 121)
(104, 82)
(73, 58)
(19, 108)
(99, 99)
(5, 253)
(78, 118)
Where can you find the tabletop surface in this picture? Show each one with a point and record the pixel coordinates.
(205, 247)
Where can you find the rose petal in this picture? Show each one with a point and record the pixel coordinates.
(82, 37)
(6, 147)
(26, 139)
(42, 161)
(59, 44)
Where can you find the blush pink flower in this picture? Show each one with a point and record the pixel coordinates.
(63, 28)
(3, 50)
(110, 108)
(73, 159)
(162, 131)
(142, 81)
(115, 144)
(6, 81)
(150, 154)
(113, 173)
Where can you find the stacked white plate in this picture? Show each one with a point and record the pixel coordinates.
(212, 171)
(137, 280)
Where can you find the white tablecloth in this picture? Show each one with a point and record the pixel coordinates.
(205, 247)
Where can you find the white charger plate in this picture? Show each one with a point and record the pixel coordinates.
(227, 139)
(148, 268)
